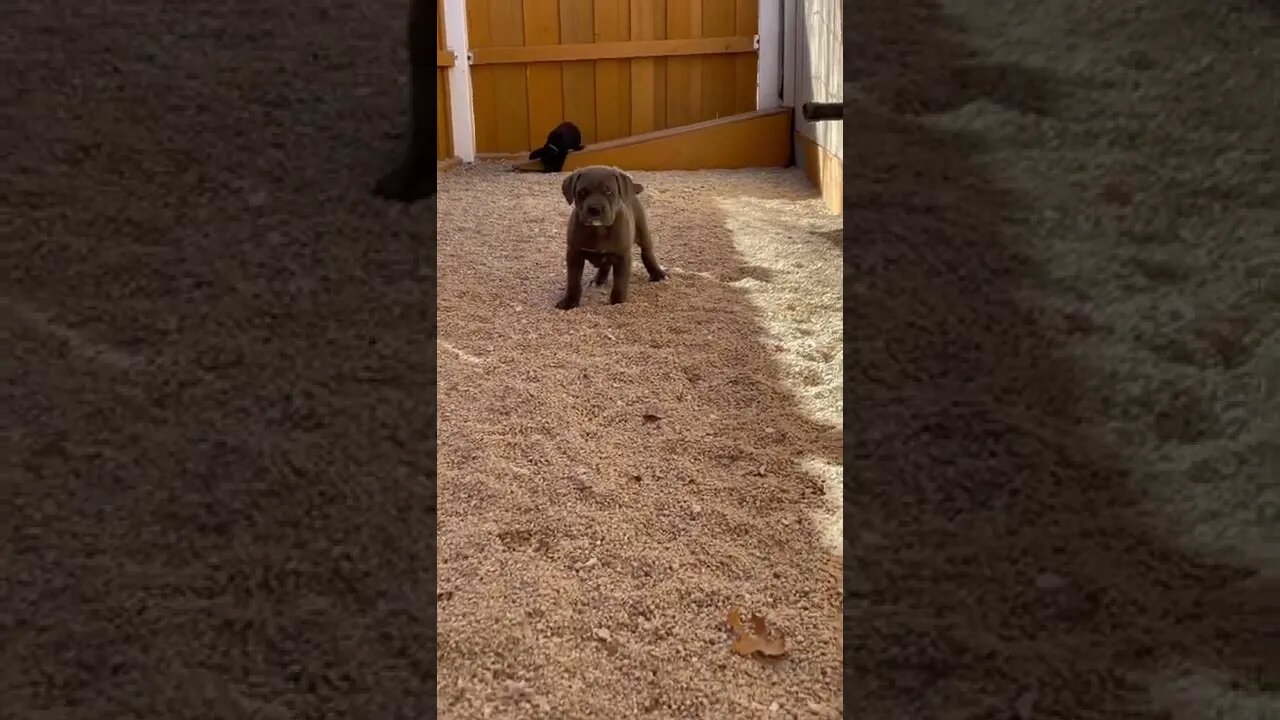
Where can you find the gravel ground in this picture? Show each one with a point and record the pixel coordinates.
(1063, 321)
(214, 499)
(615, 478)
(1062, 299)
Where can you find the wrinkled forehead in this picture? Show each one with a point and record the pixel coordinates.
(598, 182)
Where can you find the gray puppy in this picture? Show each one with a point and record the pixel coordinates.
(607, 219)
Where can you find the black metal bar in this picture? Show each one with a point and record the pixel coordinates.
(818, 112)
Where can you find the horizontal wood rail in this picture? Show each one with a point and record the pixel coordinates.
(619, 50)
(445, 58)
(760, 138)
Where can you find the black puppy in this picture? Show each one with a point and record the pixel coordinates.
(560, 142)
(415, 177)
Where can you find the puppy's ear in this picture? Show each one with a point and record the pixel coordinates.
(628, 185)
(569, 186)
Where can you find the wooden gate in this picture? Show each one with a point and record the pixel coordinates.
(444, 60)
(613, 67)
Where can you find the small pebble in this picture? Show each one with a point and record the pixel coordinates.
(602, 634)
(824, 711)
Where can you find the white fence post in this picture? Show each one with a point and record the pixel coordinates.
(769, 55)
(788, 72)
(461, 116)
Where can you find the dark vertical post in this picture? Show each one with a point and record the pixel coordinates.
(415, 178)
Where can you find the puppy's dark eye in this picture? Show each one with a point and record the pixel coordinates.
(608, 192)
(582, 194)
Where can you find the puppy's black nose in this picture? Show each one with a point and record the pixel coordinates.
(593, 210)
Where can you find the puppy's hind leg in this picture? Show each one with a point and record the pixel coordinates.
(645, 240)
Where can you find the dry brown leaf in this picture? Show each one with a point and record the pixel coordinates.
(755, 640)
(754, 644)
(735, 621)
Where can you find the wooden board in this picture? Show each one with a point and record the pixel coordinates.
(823, 169)
(501, 92)
(612, 22)
(616, 68)
(578, 79)
(684, 74)
(648, 76)
(718, 72)
(756, 139)
(444, 125)
(484, 80)
(627, 49)
(546, 90)
(745, 68)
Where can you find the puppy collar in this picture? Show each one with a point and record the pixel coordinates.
(553, 147)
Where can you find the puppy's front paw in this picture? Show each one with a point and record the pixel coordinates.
(658, 276)
(567, 303)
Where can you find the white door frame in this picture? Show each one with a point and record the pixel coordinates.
(788, 72)
(461, 119)
(769, 53)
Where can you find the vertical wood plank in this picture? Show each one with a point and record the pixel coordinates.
(718, 71)
(511, 90)
(660, 67)
(684, 74)
(444, 133)
(440, 25)
(747, 22)
(695, 63)
(613, 77)
(444, 136)
(648, 76)
(483, 79)
(577, 25)
(546, 91)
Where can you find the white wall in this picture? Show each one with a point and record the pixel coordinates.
(815, 54)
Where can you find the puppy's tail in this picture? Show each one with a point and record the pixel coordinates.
(579, 148)
(536, 153)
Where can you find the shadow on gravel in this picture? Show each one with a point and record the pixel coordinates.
(992, 550)
(216, 497)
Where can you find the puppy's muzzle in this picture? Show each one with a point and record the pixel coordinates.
(594, 214)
